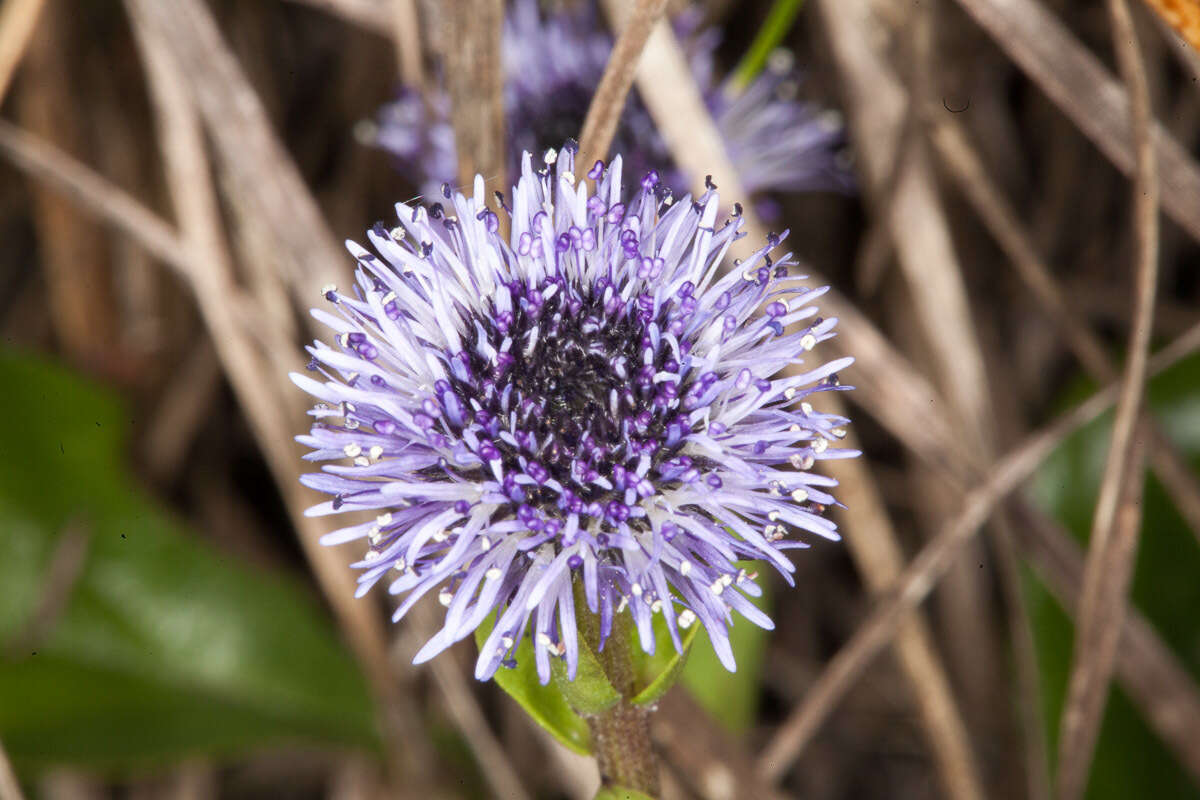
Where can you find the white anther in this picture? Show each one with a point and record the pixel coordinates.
(686, 618)
(352, 450)
(790, 392)
(839, 433)
(362, 461)
(384, 518)
(493, 573)
(371, 555)
(636, 589)
(717, 587)
(440, 536)
(808, 341)
(507, 642)
(685, 567)
(773, 516)
(726, 579)
(545, 641)
(374, 536)
(799, 495)
(621, 606)
(375, 452)
(397, 233)
(387, 298)
(820, 445)
(656, 606)
(445, 596)
(551, 156)
(806, 408)
(485, 543)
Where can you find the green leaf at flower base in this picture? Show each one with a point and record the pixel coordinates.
(618, 793)
(153, 645)
(546, 704)
(1130, 761)
(591, 692)
(658, 672)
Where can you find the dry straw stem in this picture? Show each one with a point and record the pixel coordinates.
(367, 14)
(9, 788)
(712, 763)
(212, 280)
(877, 106)
(18, 18)
(1149, 671)
(1089, 95)
(922, 574)
(406, 34)
(1117, 517)
(461, 705)
(1182, 15)
(469, 46)
(600, 124)
(265, 180)
(470, 50)
(876, 552)
(966, 169)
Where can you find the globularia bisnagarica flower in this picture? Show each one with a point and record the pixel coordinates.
(592, 400)
(552, 65)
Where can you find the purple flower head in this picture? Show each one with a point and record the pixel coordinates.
(552, 66)
(591, 401)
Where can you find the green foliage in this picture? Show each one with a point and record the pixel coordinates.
(159, 646)
(546, 704)
(779, 21)
(1130, 761)
(732, 697)
(658, 672)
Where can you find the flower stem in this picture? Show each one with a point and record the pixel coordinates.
(621, 735)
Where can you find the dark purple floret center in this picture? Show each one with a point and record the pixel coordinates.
(593, 396)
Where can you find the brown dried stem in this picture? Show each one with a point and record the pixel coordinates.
(922, 574)
(470, 49)
(9, 788)
(1087, 93)
(600, 124)
(1117, 518)
(18, 18)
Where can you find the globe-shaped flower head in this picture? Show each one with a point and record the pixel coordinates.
(554, 61)
(593, 400)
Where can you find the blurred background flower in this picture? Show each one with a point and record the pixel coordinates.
(553, 62)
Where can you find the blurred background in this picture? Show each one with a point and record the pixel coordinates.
(175, 179)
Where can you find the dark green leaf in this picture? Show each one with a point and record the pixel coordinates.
(1129, 760)
(546, 704)
(161, 646)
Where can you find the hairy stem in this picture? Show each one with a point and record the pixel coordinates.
(621, 735)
